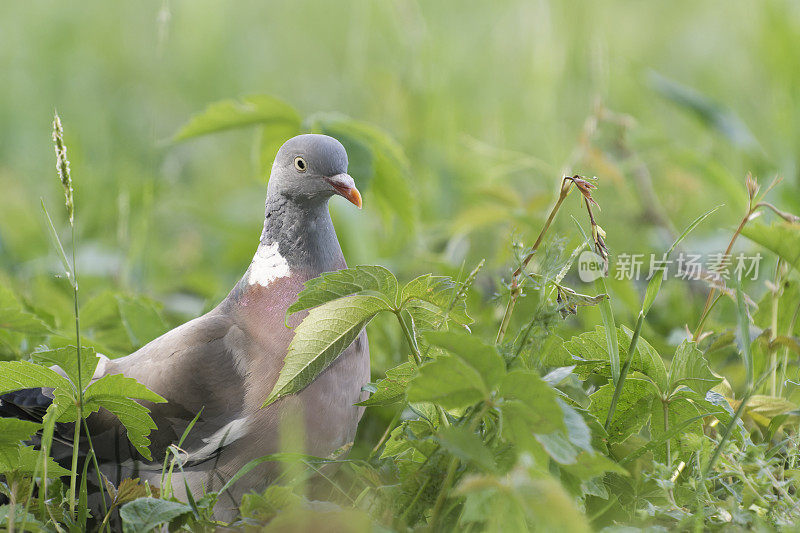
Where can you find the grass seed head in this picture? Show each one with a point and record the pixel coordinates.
(62, 165)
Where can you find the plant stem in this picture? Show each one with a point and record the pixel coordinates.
(624, 372)
(708, 305)
(412, 343)
(516, 283)
(665, 408)
(76, 441)
(726, 434)
(440, 499)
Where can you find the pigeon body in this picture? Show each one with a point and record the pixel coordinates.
(226, 362)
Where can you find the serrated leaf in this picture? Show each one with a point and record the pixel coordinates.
(782, 238)
(591, 347)
(18, 375)
(432, 301)
(66, 359)
(114, 392)
(230, 114)
(633, 408)
(144, 514)
(679, 411)
(117, 385)
(24, 459)
(481, 356)
(369, 279)
(321, 337)
(689, 368)
(13, 431)
(393, 388)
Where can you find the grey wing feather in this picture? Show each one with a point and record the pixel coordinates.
(194, 367)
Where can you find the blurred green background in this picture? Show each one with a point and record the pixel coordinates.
(668, 103)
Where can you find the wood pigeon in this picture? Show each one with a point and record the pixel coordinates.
(226, 362)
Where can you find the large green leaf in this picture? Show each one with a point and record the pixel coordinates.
(633, 408)
(229, 114)
(13, 431)
(144, 514)
(14, 317)
(27, 460)
(689, 368)
(434, 300)
(540, 406)
(116, 393)
(679, 412)
(481, 356)
(591, 347)
(369, 279)
(782, 238)
(449, 381)
(393, 388)
(321, 337)
(18, 375)
(468, 446)
(66, 358)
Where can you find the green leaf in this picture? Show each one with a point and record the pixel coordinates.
(321, 337)
(18, 375)
(66, 358)
(709, 112)
(632, 411)
(645, 359)
(230, 114)
(13, 431)
(141, 319)
(144, 514)
(115, 392)
(610, 328)
(539, 404)
(371, 279)
(14, 317)
(679, 411)
(781, 238)
(432, 301)
(591, 347)
(393, 388)
(449, 381)
(590, 465)
(481, 356)
(468, 446)
(271, 137)
(689, 368)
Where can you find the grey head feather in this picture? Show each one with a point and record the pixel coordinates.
(307, 171)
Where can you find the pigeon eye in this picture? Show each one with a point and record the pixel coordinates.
(300, 164)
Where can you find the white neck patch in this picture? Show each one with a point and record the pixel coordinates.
(268, 265)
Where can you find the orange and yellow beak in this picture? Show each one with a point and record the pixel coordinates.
(345, 186)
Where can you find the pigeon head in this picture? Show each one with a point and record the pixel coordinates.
(309, 169)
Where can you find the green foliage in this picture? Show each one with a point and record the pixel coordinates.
(461, 434)
(144, 514)
(782, 238)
